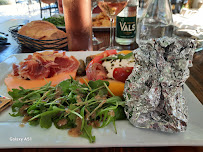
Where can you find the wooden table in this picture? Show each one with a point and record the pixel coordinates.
(195, 83)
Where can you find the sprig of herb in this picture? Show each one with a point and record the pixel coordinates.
(118, 56)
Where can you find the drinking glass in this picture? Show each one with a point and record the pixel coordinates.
(112, 8)
(78, 22)
(95, 41)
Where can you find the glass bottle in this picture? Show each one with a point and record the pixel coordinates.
(155, 22)
(126, 24)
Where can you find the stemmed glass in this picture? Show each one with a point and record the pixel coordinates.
(95, 41)
(112, 8)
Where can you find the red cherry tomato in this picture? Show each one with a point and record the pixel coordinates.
(109, 52)
(98, 57)
(121, 74)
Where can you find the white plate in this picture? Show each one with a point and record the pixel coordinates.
(127, 135)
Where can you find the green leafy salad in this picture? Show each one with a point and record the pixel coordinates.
(57, 21)
(69, 105)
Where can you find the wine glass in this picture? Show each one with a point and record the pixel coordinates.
(112, 8)
(95, 41)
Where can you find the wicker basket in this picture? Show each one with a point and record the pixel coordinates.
(38, 45)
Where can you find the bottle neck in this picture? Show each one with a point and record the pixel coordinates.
(159, 10)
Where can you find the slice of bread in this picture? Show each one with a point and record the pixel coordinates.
(41, 30)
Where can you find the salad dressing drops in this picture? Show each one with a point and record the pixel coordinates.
(76, 132)
(62, 122)
(24, 121)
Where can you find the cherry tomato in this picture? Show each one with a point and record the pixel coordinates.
(121, 74)
(109, 52)
(98, 57)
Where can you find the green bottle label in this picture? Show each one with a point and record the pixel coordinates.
(125, 27)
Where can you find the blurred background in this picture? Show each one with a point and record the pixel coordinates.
(27, 9)
(37, 9)
(187, 14)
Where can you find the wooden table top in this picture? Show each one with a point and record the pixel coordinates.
(195, 83)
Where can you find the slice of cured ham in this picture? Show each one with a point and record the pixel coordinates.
(40, 68)
(45, 65)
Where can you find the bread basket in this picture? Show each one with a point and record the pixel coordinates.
(38, 45)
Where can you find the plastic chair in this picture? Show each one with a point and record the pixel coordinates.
(48, 6)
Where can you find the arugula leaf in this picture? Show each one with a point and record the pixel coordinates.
(18, 93)
(16, 106)
(45, 121)
(35, 96)
(16, 109)
(119, 113)
(72, 116)
(72, 97)
(82, 113)
(34, 122)
(64, 86)
(114, 99)
(107, 121)
(87, 133)
(99, 84)
(33, 109)
(72, 86)
(15, 114)
(46, 118)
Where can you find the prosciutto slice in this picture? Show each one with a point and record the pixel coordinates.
(45, 65)
(96, 72)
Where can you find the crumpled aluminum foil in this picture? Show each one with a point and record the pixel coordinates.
(153, 92)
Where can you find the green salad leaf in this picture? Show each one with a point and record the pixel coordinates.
(87, 133)
(46, 117)
(18, 93)
(58, 21)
